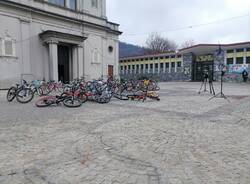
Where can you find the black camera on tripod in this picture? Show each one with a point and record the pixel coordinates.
(205, 75)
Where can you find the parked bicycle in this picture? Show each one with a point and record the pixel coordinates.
(23, 93)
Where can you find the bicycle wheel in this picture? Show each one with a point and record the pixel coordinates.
(103, 99)
(82, 97)
(72, 102)
(11, 94)
(44, 102)
(24, 95)
(41, 90)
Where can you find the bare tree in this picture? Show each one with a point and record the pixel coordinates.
(158, 44)
(188, 43)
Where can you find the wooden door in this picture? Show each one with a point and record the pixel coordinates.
(110, 70)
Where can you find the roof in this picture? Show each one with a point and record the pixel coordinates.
(149, 55)
(217, 45)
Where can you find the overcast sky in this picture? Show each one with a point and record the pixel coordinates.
(138, 18)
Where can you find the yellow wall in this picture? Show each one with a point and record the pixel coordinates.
(168, 60)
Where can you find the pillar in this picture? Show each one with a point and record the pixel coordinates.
(75, 62)
(80, 61)
(245, 56)
(164, 67)
(53, 58)
(234, 56)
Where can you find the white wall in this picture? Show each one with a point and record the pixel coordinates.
(32, 55)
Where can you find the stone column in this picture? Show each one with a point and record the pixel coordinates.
(164, 67)
(170, 67)
(159, 67)
(53, 58)
(80, 61)
(153, 68)
(245, 56)
(75, 62)
(234, 56)
(225, 58)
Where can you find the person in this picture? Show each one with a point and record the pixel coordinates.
(245, 75)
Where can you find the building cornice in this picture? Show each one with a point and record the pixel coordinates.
(59, 16)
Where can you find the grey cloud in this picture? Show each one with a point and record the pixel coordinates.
(143, 16)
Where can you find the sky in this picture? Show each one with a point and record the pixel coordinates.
(204, 21)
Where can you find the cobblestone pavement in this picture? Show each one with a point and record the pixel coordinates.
(183, 139)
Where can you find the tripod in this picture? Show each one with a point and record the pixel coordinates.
(204, 83)
(220, 94)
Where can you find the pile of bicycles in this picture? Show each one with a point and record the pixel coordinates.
(137, 90)
(79, 91)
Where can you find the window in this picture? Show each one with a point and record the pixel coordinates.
(151, 58)
(142, 66)
(72, 4)
(156, 58)
(239, 50)
(146, 66)
(248, 60)
(8, 47)
(58, 2)
(151, 66)
(133, 67)
(230, 61)
(161, 65)
(94, 3)
(129, 67)
(161, 57)
(239, 60)
(248, 49)
(110, 49)
(156, 66)
(173, 56)
(179, 56)
(125, 67)
(141, 59)
(167, 65)
(230, 51)
(179, 64)
(173, 64)
(121, 68)
(166, 57)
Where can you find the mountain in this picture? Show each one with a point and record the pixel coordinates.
(126, 50)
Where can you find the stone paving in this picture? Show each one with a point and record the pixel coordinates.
(183, 139)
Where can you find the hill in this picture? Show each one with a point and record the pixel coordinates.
(126, 50)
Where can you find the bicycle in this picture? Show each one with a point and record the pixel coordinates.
(68, 101)
(22, 93)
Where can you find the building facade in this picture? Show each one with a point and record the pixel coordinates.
(189, 64)
(56, 40)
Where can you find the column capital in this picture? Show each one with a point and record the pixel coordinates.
(80, 46)
(52, 42)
